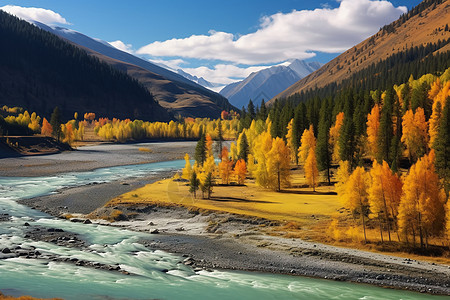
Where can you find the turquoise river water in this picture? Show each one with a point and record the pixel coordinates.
(110, 245)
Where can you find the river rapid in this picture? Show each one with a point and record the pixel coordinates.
(152, 274)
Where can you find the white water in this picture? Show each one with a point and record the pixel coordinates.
(109, 245)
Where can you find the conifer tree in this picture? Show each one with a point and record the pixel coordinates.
(194, 184)
(442, 146)
(298, 126)
(55, 121)
(262, 111)
(323, 149)
(243, 147)
(385, 132)
(200, 149)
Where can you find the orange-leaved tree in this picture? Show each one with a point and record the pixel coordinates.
(225, 166)
(46, 128)
(240, 170)
(384, 195)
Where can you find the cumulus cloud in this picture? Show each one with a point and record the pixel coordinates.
(122, 46)
(282, 36)
(42, 15)
(223, 73)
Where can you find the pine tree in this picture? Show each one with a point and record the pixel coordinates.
(194, 184)
(298, 126)
(442, 146)
(219, 136)
(55, 121)
(207, 185)
(243, 147)
(262, 111)
(386, 131)
(251, 110)
(334, 136)
(200, 149)
(323, 149)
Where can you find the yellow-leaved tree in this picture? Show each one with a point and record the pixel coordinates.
(415, 135)
(278, 165)
(311, 170)
(373, 126)
(307, 142)
(290, 139)
(334, 136)
(356, 195)
(262, 146)
(421, 209)
(187, 170)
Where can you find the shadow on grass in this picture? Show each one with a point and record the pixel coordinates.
(306, 192)
(235, 199)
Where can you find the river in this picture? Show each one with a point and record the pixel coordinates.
(111, 245)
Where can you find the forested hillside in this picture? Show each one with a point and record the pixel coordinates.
(39, 71)
(416, 44)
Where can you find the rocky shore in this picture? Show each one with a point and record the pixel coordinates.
(214, 240)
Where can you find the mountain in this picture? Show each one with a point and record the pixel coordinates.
(39, 71)
(178, 94)
(200, 80)
(267, 83)
(417, 43)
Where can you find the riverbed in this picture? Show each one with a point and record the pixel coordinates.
(106, 262)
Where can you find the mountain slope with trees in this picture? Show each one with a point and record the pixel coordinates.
(416, 44)
(174, 92)
(40, 71)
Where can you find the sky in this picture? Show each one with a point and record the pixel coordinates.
(222, 41)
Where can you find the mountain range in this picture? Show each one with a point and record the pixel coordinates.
(174, 92)
(267, 83)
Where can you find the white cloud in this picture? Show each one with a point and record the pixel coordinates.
(122, 46)
(223, 73)
(42, 15)
(297, 34)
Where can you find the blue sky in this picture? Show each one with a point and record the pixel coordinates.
(223, 40)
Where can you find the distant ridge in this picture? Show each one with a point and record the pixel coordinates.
(178, 94)
(39, 70)
(267, 83)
